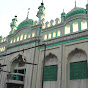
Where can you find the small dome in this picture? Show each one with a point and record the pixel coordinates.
(0, 37)
(75, 11)
(63, 13)
(26, 22)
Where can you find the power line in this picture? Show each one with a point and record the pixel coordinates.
(23, 50)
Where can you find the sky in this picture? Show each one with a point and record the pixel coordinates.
(53, 10)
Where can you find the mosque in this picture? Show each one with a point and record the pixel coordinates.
(46, 54)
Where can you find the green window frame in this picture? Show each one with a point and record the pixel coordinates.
(78, 70)
(50, 73)
(17, 77)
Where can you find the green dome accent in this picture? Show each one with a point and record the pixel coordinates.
(26, 22)
(63, 14)
(86, 5)
(14, 19)
(76, 11)
(0, 37)
(13, 24)
(41, 7)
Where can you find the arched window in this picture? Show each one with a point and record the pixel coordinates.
(29, 35)
(14, 40)
(25, 36)
(4, 48)
(21, 37)
(45, 37)
(54, 34)
(58, 33)
(11, 41)
(67, 29)
(77, 68)
(50, 71)
(75, 27)
(49, 36)
(17, 39)
(15, 68)
(33, 34)
(83, 25)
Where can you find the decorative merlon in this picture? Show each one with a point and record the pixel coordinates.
(43, 25)
(52, 23)
(47, 24)
(57, 21)
(36, 23)
(43, 21)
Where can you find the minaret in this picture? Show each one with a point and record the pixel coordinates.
(63, 16)
(13, 25)
(40, 13)
(87, 7)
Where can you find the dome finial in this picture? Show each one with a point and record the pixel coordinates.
(28, 12)
(63, 10)
(75, 3)
(15, 16)
(42, 3)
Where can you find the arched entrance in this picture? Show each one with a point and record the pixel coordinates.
(17, 75)
(77, 69)
(50, 71)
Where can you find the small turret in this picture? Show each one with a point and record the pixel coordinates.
(63, 14)
(13, 25)
(40, 13)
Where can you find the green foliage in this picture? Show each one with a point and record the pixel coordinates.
(50, 73)
(78, 70)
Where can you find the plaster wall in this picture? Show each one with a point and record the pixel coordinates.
(68, 48)
(57, 52)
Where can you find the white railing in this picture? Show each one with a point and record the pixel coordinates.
(16, 78)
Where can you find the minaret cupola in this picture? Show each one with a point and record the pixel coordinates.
(63, 14)
(40, 13)
(13, 25)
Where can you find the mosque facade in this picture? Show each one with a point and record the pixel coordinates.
(46, 54)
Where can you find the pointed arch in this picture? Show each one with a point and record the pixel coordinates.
(50, 71)
(51, 58)
(67, 29)
(75, 27)
(15, 59)
(76, 68)
(83, 25)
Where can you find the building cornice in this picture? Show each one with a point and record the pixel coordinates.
(66, 38)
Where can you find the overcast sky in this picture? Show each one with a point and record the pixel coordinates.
(53, 9)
